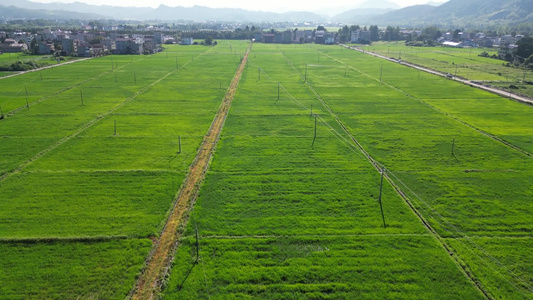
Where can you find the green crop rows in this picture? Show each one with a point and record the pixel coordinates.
(289, 207)
(277, 217)
(463, 62)
(91, 164)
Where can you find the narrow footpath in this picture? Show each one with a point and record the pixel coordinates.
(47, 67)
(464, 81)
(149, 283)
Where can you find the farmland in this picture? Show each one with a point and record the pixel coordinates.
(13, 63)
(75, 184)
(278, 217)
(462, 62)
(94, 154)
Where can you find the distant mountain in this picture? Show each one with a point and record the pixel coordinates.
(461, 13)
(383, 4)
(360, 16)
(202, 13)
(435, 3)
(107, 11)
(411, 15)
(163, 12)
(485, 11)
(23, 13)
(454, 13)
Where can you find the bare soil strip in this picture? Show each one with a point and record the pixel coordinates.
(158, 263)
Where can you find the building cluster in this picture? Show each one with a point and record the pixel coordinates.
(296, 36)
(82, 43)
(464, 39)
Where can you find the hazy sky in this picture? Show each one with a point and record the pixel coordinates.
(271, 5)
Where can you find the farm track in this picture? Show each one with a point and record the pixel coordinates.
(11, 113)
(83, 128)
(380, 168)
(161, 256)
(489, 135)
(47, 67)
(464, 81)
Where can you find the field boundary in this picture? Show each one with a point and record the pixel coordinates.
(16, 110)
(83, 128)
(487, 134)
(47, 67)
(380, 168)
(498, 92)
(160, 258)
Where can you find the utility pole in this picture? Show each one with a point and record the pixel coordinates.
(259, 73)
(278, 90)
(381, 73)
(380, 193)
(115, 128)
(81, 97)
(314, 138)
(179, 144)
(197, 243)
(305, 77)
(453, 147)
(27, 103)
(1, 113)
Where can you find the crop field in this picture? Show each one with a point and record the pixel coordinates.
(9, 59)
(279, 216)
(92, 161)
(463, 62)
(292, 205)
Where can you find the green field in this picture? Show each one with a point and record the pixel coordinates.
(290, 204)
(69, 174)
(276, 217)
(7, 59)
(462, 62)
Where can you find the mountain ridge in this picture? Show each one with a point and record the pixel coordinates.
(453, 13)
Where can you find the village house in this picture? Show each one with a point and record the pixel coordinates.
(187, 41)
(46, 48)
(129, 46)
(68, 46)
(12, 46)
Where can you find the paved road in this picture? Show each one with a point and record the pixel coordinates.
(467, 82)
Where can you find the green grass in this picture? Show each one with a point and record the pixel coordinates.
(409, 122)
(70, 270)
(464, 62)
(68, 174)
(341, 267)
(502, 266)
(278, 218)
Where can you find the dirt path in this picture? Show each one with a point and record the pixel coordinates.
(47, 67)
(149, 283)
(464, 81)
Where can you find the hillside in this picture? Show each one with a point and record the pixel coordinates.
(461, 13)
(23, 13)
(79, 10)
